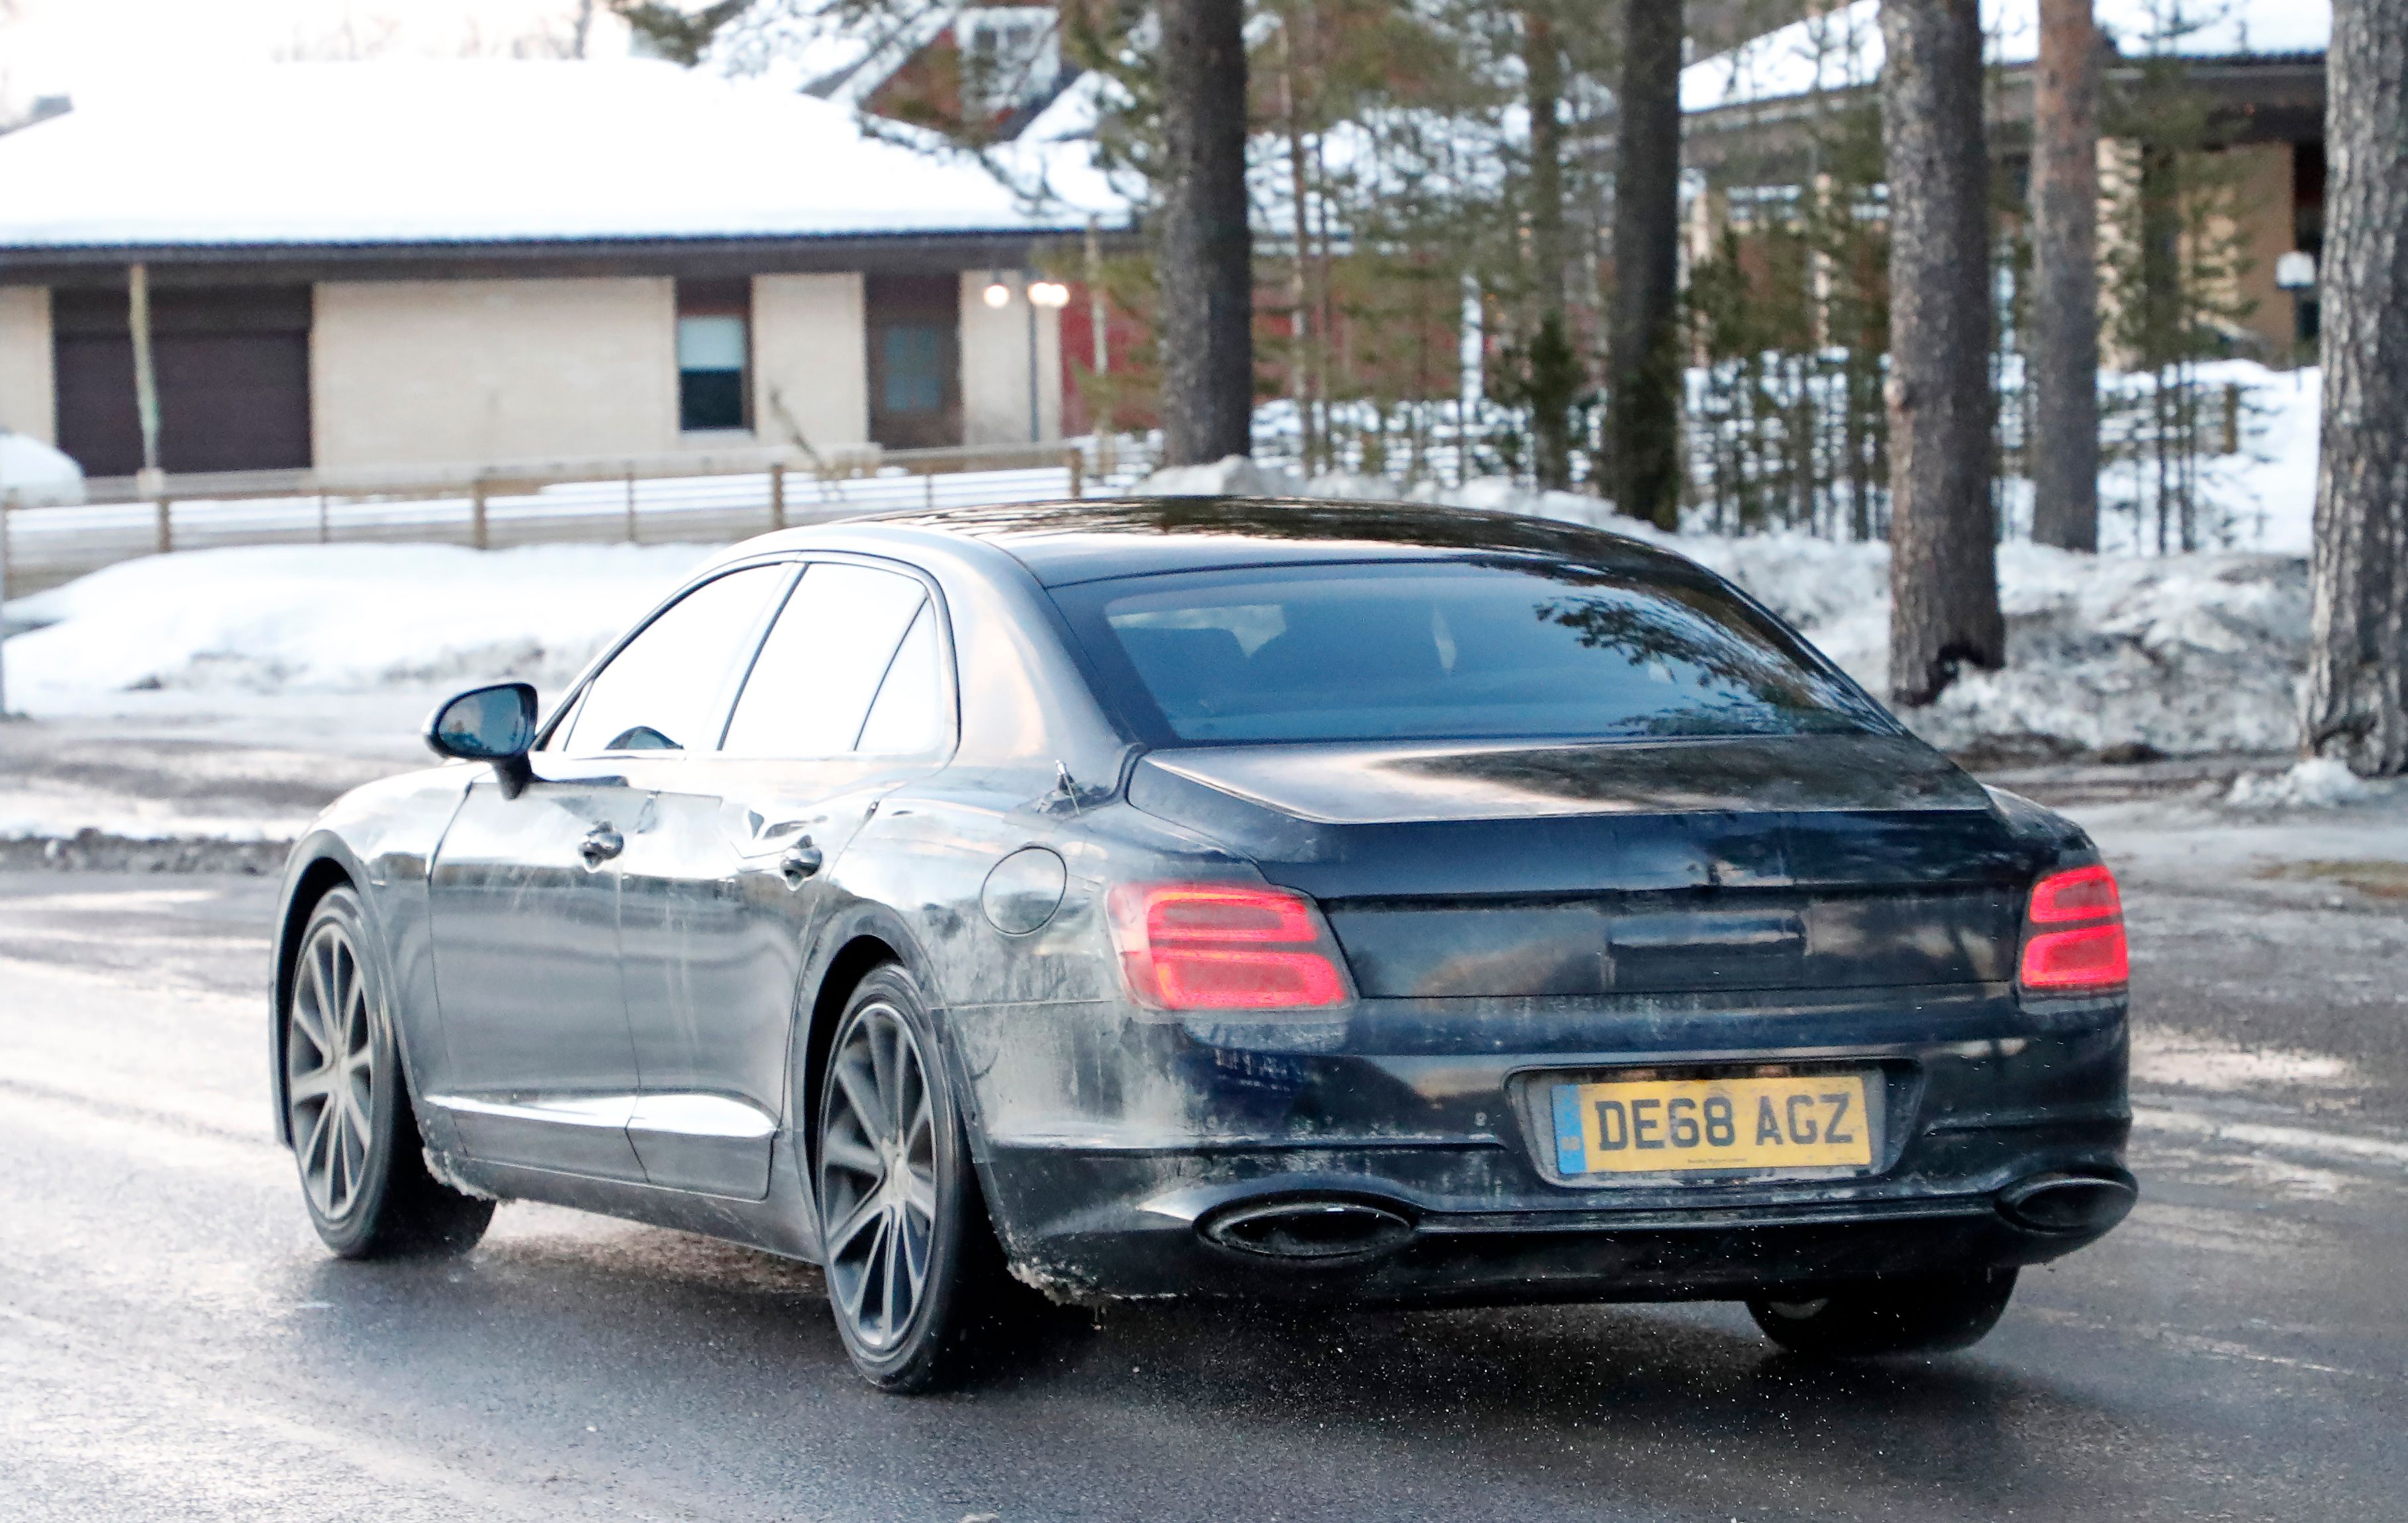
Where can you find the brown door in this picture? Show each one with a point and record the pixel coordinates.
(232, 368)
(915, 361)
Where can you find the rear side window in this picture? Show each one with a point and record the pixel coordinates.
(1490, 649)
(825, 659)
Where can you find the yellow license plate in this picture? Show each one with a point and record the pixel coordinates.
(1655, 1126)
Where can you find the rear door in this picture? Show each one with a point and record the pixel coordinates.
(846, 699)
(540, 1067)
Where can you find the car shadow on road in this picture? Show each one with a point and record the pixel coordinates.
(1644, 1399)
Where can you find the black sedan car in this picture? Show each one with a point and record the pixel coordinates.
(1375, 903)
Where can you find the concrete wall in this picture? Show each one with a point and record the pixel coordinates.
(453, 372)
(995, 365)
(28, 403)
(810, 360)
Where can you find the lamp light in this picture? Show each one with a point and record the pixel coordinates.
(998, 295)
(1050, 293)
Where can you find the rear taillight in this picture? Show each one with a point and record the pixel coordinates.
(2083, 894)
(2090, 953)
(1205, 946)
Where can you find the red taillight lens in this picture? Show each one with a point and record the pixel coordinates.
(2094, 957)
(2085, 893)
(2089, 957)
(1203, 947)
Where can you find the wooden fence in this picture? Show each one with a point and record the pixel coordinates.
(702, 499)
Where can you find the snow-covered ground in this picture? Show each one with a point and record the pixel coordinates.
(207, 630)
(339, 650)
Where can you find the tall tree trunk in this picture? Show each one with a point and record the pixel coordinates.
(1542, 61)
(1943, 564)
(1206, 268)
(2357, 706)
(1304, 332)
(2064, 443)
(1644, 398)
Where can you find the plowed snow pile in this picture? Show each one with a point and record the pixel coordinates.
(2187, 653)
(188, 630)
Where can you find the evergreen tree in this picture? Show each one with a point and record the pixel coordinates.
(1943, 571)
(2357, 706)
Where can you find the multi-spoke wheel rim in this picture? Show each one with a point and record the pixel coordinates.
(330, 1071)
(877, 1177)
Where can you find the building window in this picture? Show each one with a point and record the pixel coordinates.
(714, 345)
(915, 371)
(1011, 57)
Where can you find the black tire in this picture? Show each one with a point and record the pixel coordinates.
(355, 1142)
(1927, 1315)
(877, 1228)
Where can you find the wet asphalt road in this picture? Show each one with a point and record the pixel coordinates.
(175, 1343)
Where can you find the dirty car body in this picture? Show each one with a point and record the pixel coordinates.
(1717, 986)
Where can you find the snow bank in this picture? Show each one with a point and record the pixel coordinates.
(234, 623)
(2185, 654)
(2317, 783)
(36, 472)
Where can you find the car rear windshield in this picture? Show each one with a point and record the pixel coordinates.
(1486, 649)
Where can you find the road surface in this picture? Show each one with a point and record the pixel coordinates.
(173, 1343)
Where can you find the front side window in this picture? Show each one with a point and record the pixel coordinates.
(1497, 649)
(664, 690)
(809, 692)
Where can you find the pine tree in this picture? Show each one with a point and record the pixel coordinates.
(2356, 707)
(1206, 266)
(2063, 448)
(1943, 568)
(1646, 397)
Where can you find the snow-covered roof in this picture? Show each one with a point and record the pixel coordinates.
(479, 151)
(1843, 46)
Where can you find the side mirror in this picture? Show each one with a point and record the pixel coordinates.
(492, 724)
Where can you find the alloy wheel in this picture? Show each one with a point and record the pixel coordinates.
(330, 1072)
(877, 1177)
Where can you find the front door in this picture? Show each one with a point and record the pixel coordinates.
(914, 331)
(721, 890)
(540, 1068)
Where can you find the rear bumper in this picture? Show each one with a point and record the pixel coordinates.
(1435, 1152)
(1132, 1245)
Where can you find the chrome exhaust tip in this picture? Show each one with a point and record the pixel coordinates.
(1309, 1232)
(2068, 1202)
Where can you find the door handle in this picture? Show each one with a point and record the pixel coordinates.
(801, 863)
(600, 845)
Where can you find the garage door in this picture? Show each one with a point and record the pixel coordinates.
(233, 371)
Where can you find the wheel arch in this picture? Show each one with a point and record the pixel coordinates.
(318, 865)
(308, 882)
(866, 937)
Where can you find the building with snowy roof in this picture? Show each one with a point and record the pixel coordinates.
(2251, 74)
(444, 264)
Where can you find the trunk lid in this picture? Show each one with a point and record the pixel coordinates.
(1636, 867)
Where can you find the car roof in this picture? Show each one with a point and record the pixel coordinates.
(1068, 542)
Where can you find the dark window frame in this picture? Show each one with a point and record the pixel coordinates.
(717, 299)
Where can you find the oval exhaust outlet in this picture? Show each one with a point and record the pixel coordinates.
(1310, 1232)
(2068, 1202)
